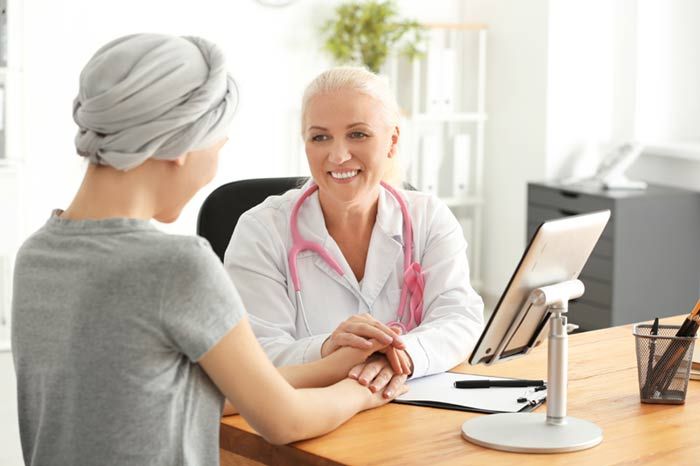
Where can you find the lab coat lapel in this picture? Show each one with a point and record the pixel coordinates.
(312, 226)
(385, 248)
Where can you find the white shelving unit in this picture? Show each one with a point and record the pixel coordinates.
(11, 159)
(454, 70)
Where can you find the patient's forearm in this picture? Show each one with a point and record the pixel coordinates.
(325, 371)
(321, 373)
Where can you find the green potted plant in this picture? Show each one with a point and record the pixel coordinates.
(365, 32)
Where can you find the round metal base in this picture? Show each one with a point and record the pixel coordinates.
(530, 433)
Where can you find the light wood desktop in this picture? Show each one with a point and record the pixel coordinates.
(603, 388)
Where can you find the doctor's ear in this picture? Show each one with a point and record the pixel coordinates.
(394, 141)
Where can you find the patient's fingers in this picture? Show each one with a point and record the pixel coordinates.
(395, 386)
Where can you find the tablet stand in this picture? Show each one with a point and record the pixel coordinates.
(532, 432)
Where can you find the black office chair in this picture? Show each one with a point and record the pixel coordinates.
(220, 211)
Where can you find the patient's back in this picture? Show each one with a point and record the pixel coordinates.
(109, 319)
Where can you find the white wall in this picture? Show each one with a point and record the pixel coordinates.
(668, 70)
(668, 73)
(630, 78)
(515, 142)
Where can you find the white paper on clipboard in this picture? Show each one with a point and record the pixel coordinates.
(438, 391)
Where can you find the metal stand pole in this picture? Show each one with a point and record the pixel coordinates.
(557, 365)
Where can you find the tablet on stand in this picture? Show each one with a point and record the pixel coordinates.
(533, 305)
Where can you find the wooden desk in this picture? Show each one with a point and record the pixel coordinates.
(603, 388)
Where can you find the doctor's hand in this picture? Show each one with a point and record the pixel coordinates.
(358, 331)
(380, 398)
(377, 375)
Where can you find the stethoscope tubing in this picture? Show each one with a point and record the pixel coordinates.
(300, 244)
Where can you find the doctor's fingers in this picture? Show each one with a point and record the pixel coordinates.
(396, 386)
(381, 380)
(392, 356)
(367, 330)
(355, 371)
(340, 339)
(394, 332)
(380, 398)
(371, 370)
(406, 363)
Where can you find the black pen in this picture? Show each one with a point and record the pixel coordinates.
(652, 349)
(498, 383)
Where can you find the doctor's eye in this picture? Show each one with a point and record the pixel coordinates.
(320, 138)
(358, 135)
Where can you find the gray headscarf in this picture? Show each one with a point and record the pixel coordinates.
(152, 95)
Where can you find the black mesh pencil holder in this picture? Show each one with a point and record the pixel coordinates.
(663, 363)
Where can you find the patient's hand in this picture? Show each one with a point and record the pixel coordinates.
(377, 374)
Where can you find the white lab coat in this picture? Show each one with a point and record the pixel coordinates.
(256, 260)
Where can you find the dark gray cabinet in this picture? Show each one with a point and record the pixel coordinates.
(647, 262)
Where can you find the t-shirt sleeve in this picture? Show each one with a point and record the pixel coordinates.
(200, 304)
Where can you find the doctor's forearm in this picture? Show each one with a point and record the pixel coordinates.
(438, 347)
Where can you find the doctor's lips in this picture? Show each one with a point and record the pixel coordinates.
(344, 175)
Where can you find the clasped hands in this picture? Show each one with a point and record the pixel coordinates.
(387, 368)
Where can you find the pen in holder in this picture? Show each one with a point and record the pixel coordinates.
(663, 363)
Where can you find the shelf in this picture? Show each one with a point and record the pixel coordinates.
(475, 117)
(452, 58)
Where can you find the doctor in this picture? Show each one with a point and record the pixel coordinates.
(350, 256)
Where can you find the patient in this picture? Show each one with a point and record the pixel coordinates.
(125, 339)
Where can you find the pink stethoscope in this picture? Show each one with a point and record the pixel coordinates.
(413, 280)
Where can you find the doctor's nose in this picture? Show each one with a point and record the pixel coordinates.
(339, 154)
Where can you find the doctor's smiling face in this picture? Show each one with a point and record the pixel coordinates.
(349, 144)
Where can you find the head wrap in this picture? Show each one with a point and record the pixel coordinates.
(152, 95)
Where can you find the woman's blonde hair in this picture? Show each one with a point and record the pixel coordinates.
(364, 81)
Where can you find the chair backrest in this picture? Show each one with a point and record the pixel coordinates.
(220, 211)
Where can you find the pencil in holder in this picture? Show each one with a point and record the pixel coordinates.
(663, 363)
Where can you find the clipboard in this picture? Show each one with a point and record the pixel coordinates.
(437, 391)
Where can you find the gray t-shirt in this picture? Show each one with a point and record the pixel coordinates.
(109, 319)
